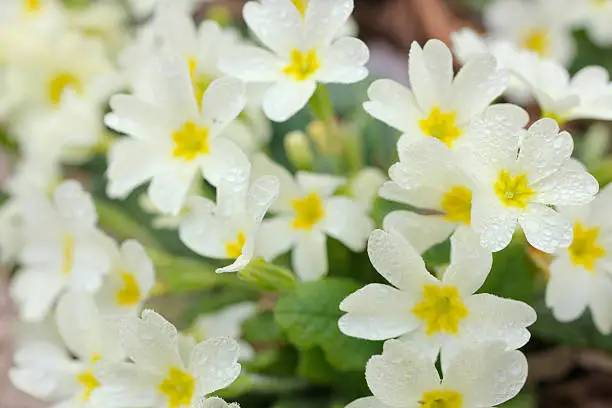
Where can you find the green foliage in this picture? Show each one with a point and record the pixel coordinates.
(309, 315)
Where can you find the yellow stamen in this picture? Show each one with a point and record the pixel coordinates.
(555, 116)
(179, 387)
(301, 6)
(441, 308)
(537, 40)
(302, 65)
(88, 381)
(59, 83)
(68, 254)
(441, 399)
(457, 204)
(585, 249)
(513, 191)
(190, 141)
(234, 248)
(129, 294)
(308, 211)
(442, 126)
(32, 6)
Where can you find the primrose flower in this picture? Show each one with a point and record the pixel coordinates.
(581, 274)
(214, 402)
(478, 377)
(62, 249)
(519, 177)
(437, 105)
(306, 212)
(433, 315)
(302, 50)
(172, 136)
(129, 281)
(164, 374)
(228, 230)
(226, 322)
(538, 26)
(48, 372)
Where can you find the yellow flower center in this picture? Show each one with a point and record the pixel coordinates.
(179, 387)
(31, 6)
(88, 381)
(301, 6)
(308, 211)
(585, 250)
(129, 293)
(59, 83)
(190, 141)
(302, 65)
(441, 399)
(537, 40)
(442, 126)
(199, 82)
(68, 254)
(457, 204)
(555, 116)
(513, 191)
(234, 248)
(441, 308)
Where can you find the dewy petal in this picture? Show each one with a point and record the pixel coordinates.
(476, 85)
(214, 364)
(168, 190)
(275, 237)
(93, 252)
(125, 385)
(286, 97)
(492, 222)
(545, 228)
(324, 20)
(486, 375)
(346, 221)
(421, 231)
(224, 160)
(427, 198)
(344, 61)
(425, 163)
(544, 150)
(34, 291)
(393, 104)
(470, 262)
(401, 375)
(367, 402)
(261, 196)
(431, 73)
(599, 303)
(75, 205)
(377, 312)
(568, 290)
(137, 118)
(324, 185)
(397, 261)
(135, 260)
(278, 33)
(252, 64)
(79, 324)
(309, 257)
(203, 232)
(289, 189)
(568, 187)
(222, 101)
(213, 402)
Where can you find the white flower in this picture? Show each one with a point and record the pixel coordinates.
(46, 370)
(228, 230)
(581, 275)
(519, 177)
(129, 282)
(586, 95)
(433, 315)
(213, 402)
(144, 8)
(226, 322)
(478, 377)
(62, 249)
(163, 374)
(596, 16)
(437, 106)
(306, 213)
(56, 92)
(172, 136)
(302, 51)
(539, 26)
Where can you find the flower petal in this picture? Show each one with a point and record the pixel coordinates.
(214, 364)
(286, 97)
(431, 74)
(309, 257)
(470, 262)
(421, 231)
(343, 62)
(346, 221)
(393, 104)
(545, 228)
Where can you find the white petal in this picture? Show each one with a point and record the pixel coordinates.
(203, 232)
(346, 221)
(486, 375)
(401, 375)
(492, 222)
(34, 291)
(74, 204)
(214, 364)
(251, 63)
(545, 228)
(567, 187)
(225, 160)
(421, 231)
(280, 34)
(275, 237)
(397, 261)
(137, 118)
(135, 260)
(567, 293)
(168, 190)
(93, 251)
(309, 257)
(289, 189)
(476, 85)
(213, 402)
(599, 303)
(343, 62)
(377, 312)
(431, 72)
(393, 104)
(125, 385)
(79, 324)
(470, 262)
(426, 162)
(323, 184)
(367, 402)
(426, 198)
(325, 18)
(262, 194)
(286, 97)
(222, 101)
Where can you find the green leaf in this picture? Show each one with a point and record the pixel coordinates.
(309, 315)
(523, 400)
(262, 328)
(314, 367)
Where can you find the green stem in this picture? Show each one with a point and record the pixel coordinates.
(121, 226)
(266, 276)
(275, 385)
(321, 105)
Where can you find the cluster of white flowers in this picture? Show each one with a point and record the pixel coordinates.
(195, 118)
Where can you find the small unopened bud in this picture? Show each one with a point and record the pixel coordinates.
(266, 276)
(297, 147)
(222, 15)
